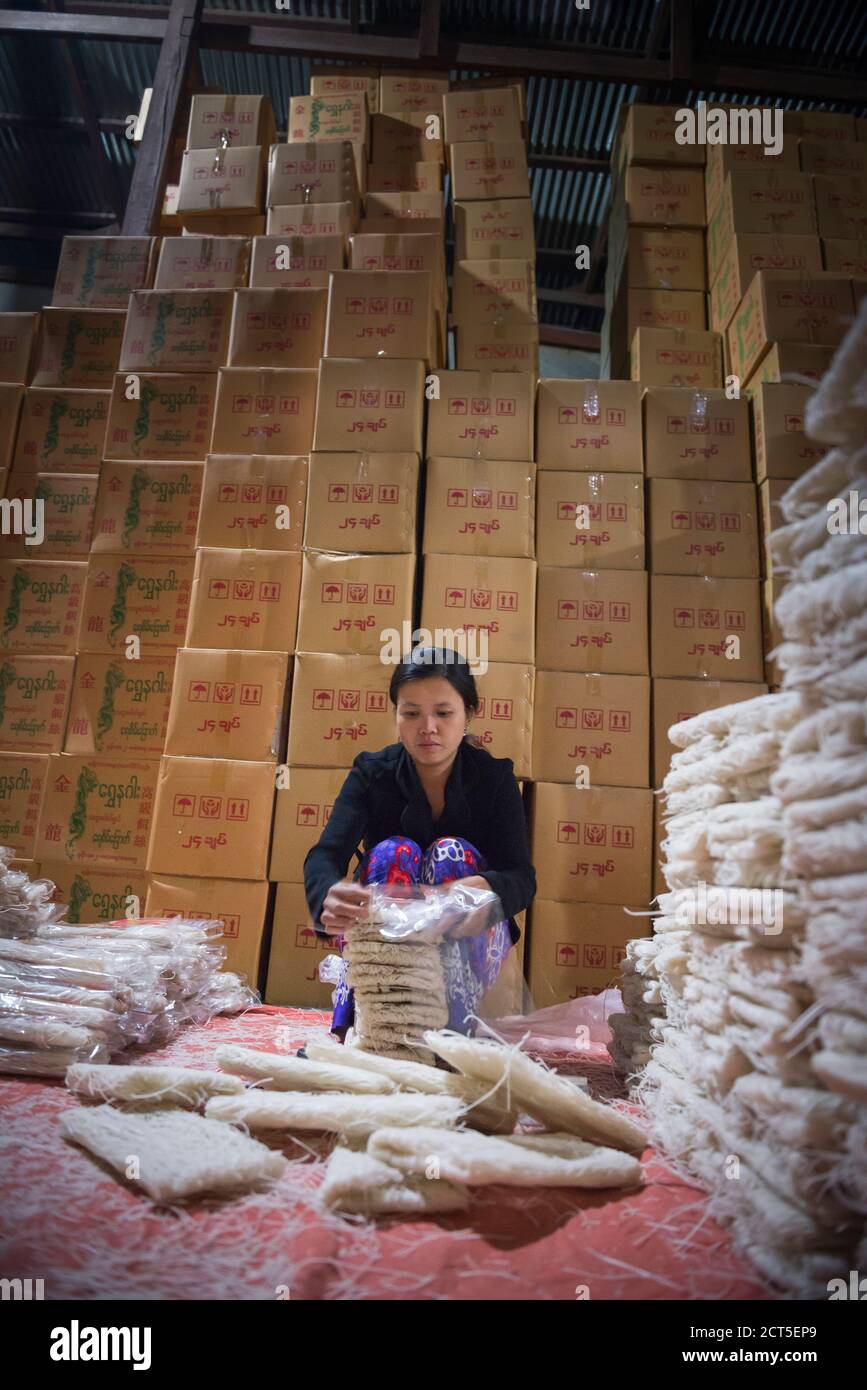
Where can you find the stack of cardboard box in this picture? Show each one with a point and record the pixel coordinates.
(656, 281)
(222, 178)
(494, 279)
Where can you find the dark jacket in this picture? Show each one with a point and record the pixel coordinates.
(383, 796)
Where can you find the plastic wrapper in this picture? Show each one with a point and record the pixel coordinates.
(34, 1061)
(418, 912)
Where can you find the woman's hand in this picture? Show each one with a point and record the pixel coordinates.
(345, 903)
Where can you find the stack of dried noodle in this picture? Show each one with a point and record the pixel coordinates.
(83, 993)
(399, 992)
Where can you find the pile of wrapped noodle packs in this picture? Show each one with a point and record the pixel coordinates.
(745, 1028)
(83, 993)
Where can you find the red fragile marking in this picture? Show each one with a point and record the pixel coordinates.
(592, 719)
(224, 692)
(362, 492)
(705, 521)
(369, 398)
(566, 953)
(238, 808)
(507, 501)
(566, 415)
(305, 936)
(592, 610)
(251, 492)
(394, 400)
(332, 593)
(199, 691)
(565, 717)
(183, 804)
(729, 521)
(507, 600)
(456, 497)
(566, 608)
(228, 492)
(708, 617)
(482, 497)
(375, 701)
(794, 423)
(724, 426)
(501, 709)
(593, 956)
(565, 511)
(269, 591)
(481, 405)
(338, 492)
(681, 521)
(616, 511)
(455, 598)
(684, 617)
(308, 814)
(251, 695)
(346, 399)
(619, 721)
(595, 833)
(349, 699)
(480, 598)
(383, 593)
(457, 405)
(623, 837)
(735, 617)
(323, 699)
(210, 807)
(243, 588)
(567, 832)
(506, 405)
(614, 415)
(356, 593)
(388, 492)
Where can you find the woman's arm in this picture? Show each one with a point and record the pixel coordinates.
(327, 862)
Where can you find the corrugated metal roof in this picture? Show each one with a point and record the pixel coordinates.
(50, 167)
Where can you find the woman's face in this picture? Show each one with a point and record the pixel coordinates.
(431, 720)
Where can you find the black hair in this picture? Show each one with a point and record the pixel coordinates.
(424, 663)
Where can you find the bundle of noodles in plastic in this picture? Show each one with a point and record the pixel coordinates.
(72, 993)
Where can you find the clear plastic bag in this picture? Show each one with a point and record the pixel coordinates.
(420, 912)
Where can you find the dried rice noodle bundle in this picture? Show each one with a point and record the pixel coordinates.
(278, 1073)
(51, 1061)
(550, 1160)
(360, 1184)
(167, 1086)
(356, 1115)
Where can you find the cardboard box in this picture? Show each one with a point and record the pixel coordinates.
(488, 345)
(223, 224)
(692, 622)
(848, 257)
(661, 258)
(488, 229)
(589, 425)
(770, 493)
(785, 360)
(241, 906)
(482, 84)
(699, 527)
(203, 263)
(489, 169)
(836, 158)
(593, 727)
(10, 409)
(649, 136)
(700, 435)
(176, 330)
(503, 723)
(576, 949)
(400, 138)
(22, 788)
(394, 225)
(480, 507)
(332, 82)
(680, 309)
(171, 418)
(242, 119)
(782, 307)
(264, 410)
(406, 207)
(296, 953)
(592, 844)
(375, 398)
(723, 160)
(62, 430)
(97, 895)
(69, 502)
(278, 328)
(676, 357)
(245, 600)
(401, 251)
(100, 272)
(211, 813)
(783, 449)
(312, 220)
(341, 117)
(221, 181)
(340, 707)
(403, 92)
(362, 502)
(676, 700)
(482, 415)
(592, 620)
(503, 291)
(17, 341)
(657, 198)
(97, 811)
(303, 806)
(488, 603)
(40, 602)
(590, 519)
(749, 252)
(381, 313)
(489, 115)
(297, 262)
(147, 508)
(410, 176)
(759, 200)
(34, 699)
(320, 172)
(139, 595)
(841, 206)
(119, 708)
(348, 602)
(228, 704)
(253, 499)
(819, 125)
(79, 348)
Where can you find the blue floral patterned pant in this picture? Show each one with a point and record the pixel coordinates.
(472, 963)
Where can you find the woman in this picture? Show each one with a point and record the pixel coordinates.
(428, 809)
